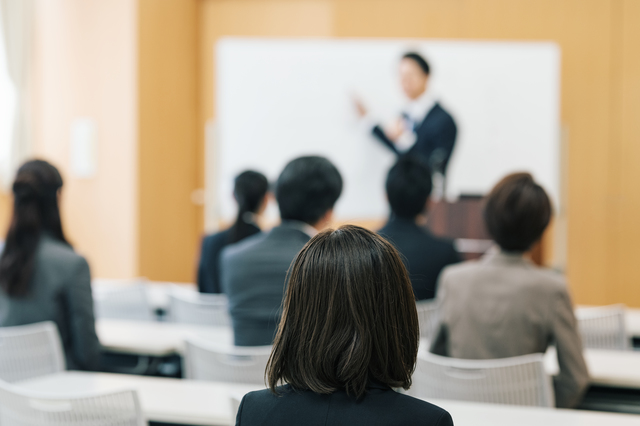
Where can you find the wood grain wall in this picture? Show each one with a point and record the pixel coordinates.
(168, 225)
(84, 63)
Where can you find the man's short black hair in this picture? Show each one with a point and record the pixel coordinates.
(418, 59)
(408, 187)
(307, 189)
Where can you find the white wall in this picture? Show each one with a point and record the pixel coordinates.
(278, 99)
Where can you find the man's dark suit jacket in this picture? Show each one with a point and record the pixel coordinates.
(254, 272)
(209, 267)
(425, 255)
(381, 406)
(435, 139)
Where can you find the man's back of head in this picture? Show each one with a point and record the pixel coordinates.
(307, 189)
(408, 190)
(408, 187)
(254, 271)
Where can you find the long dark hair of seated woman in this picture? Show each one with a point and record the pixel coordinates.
(349, 317)
(250, 189)
(35, 211)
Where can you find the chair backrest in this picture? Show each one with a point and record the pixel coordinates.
(235, 400)
(516, 381)
(206, 361)
(21, 408)
(428, 317)
(28, 351)
(603, 327)
(195, 308)
(126, 300)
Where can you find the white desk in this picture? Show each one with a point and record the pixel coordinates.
(619, 369)
(157, 291)
(475, 414)
(162, 399)
(207, 403)
(154, 338)
(607, 368)
(633, 322)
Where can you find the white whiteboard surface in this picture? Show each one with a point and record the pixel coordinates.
(278, 99)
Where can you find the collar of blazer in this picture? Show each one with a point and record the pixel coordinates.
(496, 255)
(300, 226)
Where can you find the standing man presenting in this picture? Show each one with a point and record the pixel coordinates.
(424, 128)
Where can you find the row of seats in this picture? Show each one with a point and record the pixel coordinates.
(600, 327)
(131, 302)
(35, 350)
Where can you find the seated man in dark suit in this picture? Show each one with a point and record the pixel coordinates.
(254, 270)
(408, 191)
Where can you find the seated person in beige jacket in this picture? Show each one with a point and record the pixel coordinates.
(503, 305)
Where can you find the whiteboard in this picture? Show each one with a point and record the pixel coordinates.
(278, 99)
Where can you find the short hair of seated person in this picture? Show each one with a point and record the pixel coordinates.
(408, 187)
(517, 211)
(307, 189)
(349, 316)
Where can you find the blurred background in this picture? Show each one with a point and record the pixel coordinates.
(119, 94)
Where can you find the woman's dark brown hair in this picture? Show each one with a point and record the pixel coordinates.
(35, 211)
(517, 212)
(349, 317)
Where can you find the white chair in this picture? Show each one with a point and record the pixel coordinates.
(28, 351)
(122, 299)
(516, 381)
(603, 327)
(204, 360)
(235, 400)
(21, 408)
(428, 318)
(196, 308)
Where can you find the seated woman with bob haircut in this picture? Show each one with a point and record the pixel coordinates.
(504, 305)
(348, 335)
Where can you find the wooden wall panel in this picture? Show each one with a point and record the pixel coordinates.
(84, 65)
(6, 209)
(624, 280)
(168, 113)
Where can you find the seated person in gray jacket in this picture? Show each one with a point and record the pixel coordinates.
(254, 271)
(504, 305)
(41, 277)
